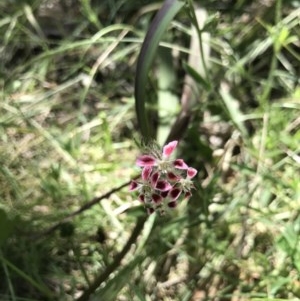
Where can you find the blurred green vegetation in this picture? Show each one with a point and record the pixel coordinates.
(67, 136)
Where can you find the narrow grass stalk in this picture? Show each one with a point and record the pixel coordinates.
(9, 283)
(98, 38)
(195, 22)
(44, 290)
(274, 61)
(102, 58)
(81, 267)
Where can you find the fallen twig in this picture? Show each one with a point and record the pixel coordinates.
(83, 208)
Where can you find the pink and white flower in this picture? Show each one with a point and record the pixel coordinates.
(161, 179)
(184, 185)
(163, 162)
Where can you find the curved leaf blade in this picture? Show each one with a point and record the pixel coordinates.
(157, 28)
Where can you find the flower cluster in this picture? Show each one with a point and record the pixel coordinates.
(163, 180)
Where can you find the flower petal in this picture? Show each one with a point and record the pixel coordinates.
(169, 148)
(163, 185)
(154, 178)
(146, 172)
(145, 160)
(133, 186)
(164, 194)
(156, 198)
(191, 172)
(180, 164)
(150, 210)
(187, 195)
(172, 176)
(172, 204)
(142, 198)
(174, 193)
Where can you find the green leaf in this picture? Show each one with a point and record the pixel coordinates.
(6, 226)
(148, 50)
(288, 240)
(40, 286)
(111, 290)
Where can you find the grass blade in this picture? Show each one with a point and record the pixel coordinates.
(149, 47)
(41, 287)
